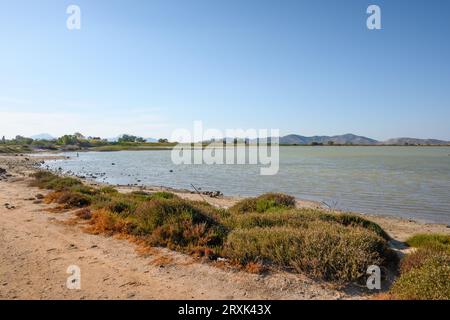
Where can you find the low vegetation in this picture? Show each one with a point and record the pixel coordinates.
(425, 273)
(78, 141)
(14, 149)
(324, 250)
(430, 240)
(264, 203)
(256, 233)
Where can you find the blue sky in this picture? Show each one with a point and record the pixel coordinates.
(149, 67)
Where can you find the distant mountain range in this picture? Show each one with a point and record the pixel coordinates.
(115, 139)
(295, 139)
(404, 141)
(349, 138)
(43, 136)
(342, 139)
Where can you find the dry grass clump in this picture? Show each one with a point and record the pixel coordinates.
(425, 273)
(68, 199)
(84, 214)
(321, 249)
(257, 233)
(177, 223)
(109, 223)
(421, 256)
(430, 281)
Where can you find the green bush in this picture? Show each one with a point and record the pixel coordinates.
(73, 199)
(347, 219)
(429, 240)
(124, 206)
(83, 189)
(177, 223)
(262, 230)
(431, 281)
(108, 190)
(425, 273)
(321, 249)
(421, 256)
(298, 218)
(47, 180)
(264, 203)
(155, 213)
(164, 195)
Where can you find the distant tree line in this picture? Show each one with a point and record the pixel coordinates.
(76, 140)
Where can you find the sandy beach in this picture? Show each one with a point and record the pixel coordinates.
(37, 246)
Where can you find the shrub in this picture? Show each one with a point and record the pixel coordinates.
(184, 234)
(421, 256)
(69, 199)
(300, 217)
(255, 232)
(155, 213)
(108, 190)
(83, 189)
(425, 273)
(429, 240)
(62, 183)
(322, 249)
(347, 219)
(164, 195)
(84, 214)
(106, 222)
(266, 220)
(428, 282)
(178, 223)
(48, 180)
(140, 195)
(121, 205)
(264, 203)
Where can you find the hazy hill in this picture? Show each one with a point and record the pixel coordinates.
(339, 139)
(43, 136)
(414, 141)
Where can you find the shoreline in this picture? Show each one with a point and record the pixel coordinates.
(310, 200)
(38, 244)
(400, 227)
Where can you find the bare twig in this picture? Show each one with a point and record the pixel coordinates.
(198, 192)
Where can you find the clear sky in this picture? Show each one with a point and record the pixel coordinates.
(149, 67)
